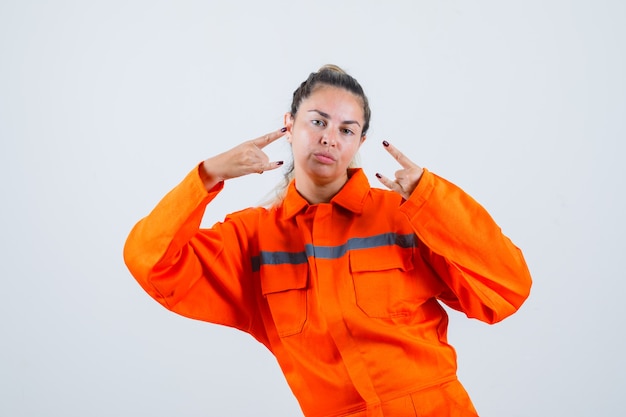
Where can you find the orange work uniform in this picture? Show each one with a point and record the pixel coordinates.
(344, 294)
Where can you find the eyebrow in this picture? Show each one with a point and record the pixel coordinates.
(326, 115)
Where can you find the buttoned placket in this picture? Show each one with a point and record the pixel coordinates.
(333, 288)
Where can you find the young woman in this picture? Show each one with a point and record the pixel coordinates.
(340, 281)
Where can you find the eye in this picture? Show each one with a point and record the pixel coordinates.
(318, 122)
(347, 131)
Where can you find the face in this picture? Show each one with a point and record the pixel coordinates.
(325, 135)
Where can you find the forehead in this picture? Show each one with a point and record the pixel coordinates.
(334, 100)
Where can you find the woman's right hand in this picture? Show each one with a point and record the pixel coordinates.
(246, 158)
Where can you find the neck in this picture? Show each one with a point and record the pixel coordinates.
(316, 192)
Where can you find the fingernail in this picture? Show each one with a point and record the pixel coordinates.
(378, 175)
(385, 143)
(284, 129)
(279, 163)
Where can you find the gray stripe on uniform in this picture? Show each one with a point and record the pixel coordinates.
(332, 252)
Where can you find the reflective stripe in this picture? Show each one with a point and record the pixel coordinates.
(332, 252)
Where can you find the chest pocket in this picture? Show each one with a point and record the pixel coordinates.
(285, 288)
(386, 284)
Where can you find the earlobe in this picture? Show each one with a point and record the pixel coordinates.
(363, 137)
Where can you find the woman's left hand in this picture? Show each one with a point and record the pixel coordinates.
(406, 178)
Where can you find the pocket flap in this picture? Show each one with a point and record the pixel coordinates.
(279, 278)
(381, 259)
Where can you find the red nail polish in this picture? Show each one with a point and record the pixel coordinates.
(385, 143)
(279, 162)
(284, 129)
(378, 175)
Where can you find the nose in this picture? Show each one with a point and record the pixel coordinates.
(329, 139)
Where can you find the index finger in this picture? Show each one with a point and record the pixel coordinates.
(398, 156)
(263, 141)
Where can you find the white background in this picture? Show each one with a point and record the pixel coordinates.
(106, 105)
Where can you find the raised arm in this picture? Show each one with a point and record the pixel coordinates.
(485, 272)
(200, 273)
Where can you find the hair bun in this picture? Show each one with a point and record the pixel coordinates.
(332, 68)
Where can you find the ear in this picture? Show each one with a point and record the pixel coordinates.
(288, 123)
(363, 137)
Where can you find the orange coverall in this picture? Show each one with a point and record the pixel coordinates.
(344, 294)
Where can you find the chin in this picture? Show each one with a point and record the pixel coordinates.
(328, 175)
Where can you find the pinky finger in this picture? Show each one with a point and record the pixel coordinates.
(392, 185)
(274, 165)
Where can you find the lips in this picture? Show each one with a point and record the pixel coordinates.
(324, 157)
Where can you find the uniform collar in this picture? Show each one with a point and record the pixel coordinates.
(351, 196)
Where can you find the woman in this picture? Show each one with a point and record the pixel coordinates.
(340, 281)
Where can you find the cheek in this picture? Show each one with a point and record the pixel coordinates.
(352, 148)
(297, 147)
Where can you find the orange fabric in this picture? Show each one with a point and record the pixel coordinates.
(345, 294)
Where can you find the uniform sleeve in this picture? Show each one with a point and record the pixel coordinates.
(485, 272)
(199, 273)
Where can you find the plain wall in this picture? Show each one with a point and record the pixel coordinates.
(106, 105)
